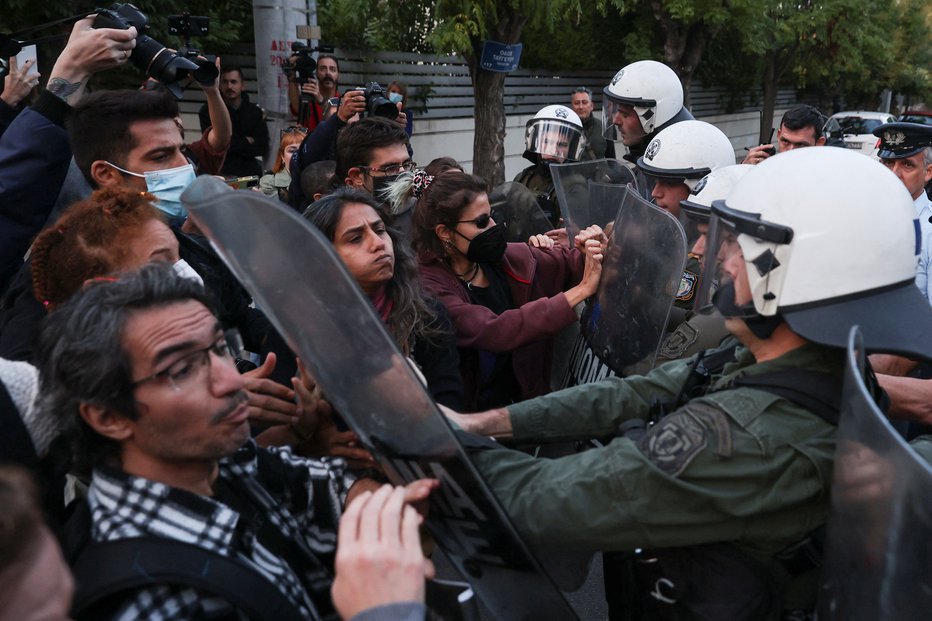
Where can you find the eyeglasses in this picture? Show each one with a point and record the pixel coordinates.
(390, 169)
(294, 128)
(187, 369)
(481, 222)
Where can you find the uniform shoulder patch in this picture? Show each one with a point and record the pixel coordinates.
(687, 287)
(674, 442)
(679, 341)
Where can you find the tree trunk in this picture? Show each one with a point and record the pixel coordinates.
(683, 44)
(488, 147)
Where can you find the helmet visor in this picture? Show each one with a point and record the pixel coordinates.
(555, 140)
(642, 108)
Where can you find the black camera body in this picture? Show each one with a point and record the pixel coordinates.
(304, 67)
(156, 60)
(377, 101)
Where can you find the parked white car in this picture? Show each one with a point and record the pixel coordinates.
(855, 129)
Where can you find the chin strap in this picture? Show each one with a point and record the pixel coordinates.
(762, 327)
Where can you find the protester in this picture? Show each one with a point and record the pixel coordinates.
(276, 183)
(35, 582)
(317, 179)
(142, 374)
(398, 95)
(386, 271)
(113, 232)
(507, 301)
(250, 141)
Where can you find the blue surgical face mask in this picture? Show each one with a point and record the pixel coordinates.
(167, 186)
(395, 97)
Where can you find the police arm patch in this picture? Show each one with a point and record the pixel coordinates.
(687, 287)
(674, 442)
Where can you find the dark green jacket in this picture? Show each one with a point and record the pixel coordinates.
(738, 465)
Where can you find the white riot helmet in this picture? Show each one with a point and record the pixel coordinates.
(650, 87)
(714, 186)
(555, 132)
(687, 152)
(828, 239)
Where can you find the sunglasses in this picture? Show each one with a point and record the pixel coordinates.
(294, 128)
(481, 222)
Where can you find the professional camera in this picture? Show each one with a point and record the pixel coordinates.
(304, 67)
(149, 55)
(186, 26)
(377, 101)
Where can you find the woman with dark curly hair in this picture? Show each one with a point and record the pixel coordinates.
(386, 271)
(507, 300)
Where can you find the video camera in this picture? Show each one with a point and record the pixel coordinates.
(377, 101)
(186, 26)
(304, 67)
(150, 56)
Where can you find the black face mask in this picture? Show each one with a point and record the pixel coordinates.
(488, 246)
(380, 186)
(762, 327)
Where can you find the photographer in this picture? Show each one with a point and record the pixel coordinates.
(321, 144)
(319, 89)
(208, 152)
(250, 134)
(34, 151)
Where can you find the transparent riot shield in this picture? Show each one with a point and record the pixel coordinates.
(641, 272)
(572, 184)
(292, 271)
(879, 544)
(515, 207)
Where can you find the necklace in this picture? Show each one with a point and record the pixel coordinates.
(473, 272)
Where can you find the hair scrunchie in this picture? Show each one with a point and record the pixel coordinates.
(420, 181)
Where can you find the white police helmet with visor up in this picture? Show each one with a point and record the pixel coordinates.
(650, 87)
(686, 152)
(714, 186)
(828, 239)
(555, 132)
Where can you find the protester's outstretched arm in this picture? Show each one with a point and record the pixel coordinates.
(380, 567)
(89, 50)
(221, 125)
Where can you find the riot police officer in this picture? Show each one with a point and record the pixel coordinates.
(642, 99)
(553, 135)
(736, 473)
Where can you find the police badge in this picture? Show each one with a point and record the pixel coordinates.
(652, 149)
(561, 113)
(894, 138)
(618, 76)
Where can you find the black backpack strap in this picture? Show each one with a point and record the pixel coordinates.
(818, 392)
(105, 570)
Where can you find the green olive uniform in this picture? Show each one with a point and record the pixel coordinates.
(740, 465)
(541, 185)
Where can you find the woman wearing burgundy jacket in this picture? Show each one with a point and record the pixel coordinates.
(507, 300)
